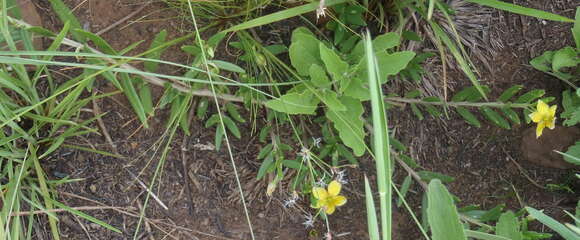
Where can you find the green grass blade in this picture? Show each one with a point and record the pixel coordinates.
(565, 232)
(85, 216)
(222, 124)
(371, 212)
(381, 140)
(484, 236)
(442, 213)
(281, 15)
(576, 29)
(65, 15)
(458, 56)
(45, 191)
(521, 10)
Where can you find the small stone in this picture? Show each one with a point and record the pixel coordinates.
(540, 151)
(93, 188)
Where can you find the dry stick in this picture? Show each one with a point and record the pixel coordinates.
(186, 179)
(56, 210)
(151, 79)
(117, 23)
(148, 191)
(96, 108)
(523, 171)
(411, 172)
(101, 123)
(126, 211)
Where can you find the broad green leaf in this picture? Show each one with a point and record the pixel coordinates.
(265, 151)
(574, 118)
(553, 224)
(228, 66)
(266, 166)
(417, 111)
(409, 161)
(492, 214)
(386, 41)
(511, 115)
(276, 49)
(331, 100)
(442, 214)
(380, 44)
(468, 116)
(355, 88)
(530, 96)
(508, 226)
(146, 98)
(318, 76)
(334, 65)
(407, 182)
(219, 136)
(231, 126)
(565, 57)
(429, 176)
(349, 124)
(344, 152)
(495, 117)
(543, 62)
(304, 52)
(573, 154)
(234, 113)
(295, 103)
(294, 164)
(509, 93)
(391, 64)
(521, 10)
(157, 41)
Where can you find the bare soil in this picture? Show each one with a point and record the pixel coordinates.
(486, 162)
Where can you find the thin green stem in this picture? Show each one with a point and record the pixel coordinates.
(398, 100)
(226, 138)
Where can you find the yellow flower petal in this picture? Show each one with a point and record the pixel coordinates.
(334, 188)
(540, 128)
(536, 116)
(329, 209)
(319, 204)
(338, 201)
(551, 124)
(552, 111)
(542, 107)
(319, 193)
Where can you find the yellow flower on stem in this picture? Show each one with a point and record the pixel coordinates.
(544, 116)
(328, 199)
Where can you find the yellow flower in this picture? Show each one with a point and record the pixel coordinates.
(545, 116)
(328, 199)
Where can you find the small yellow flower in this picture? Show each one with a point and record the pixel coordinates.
(328, 199)
(544, 116)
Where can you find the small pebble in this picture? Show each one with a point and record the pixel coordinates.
(93, 188)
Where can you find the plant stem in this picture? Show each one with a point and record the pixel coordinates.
(398, 100)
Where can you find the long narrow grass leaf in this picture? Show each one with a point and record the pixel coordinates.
(521, 10)
(281, 15)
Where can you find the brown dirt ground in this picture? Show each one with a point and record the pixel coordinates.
(481, 160)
